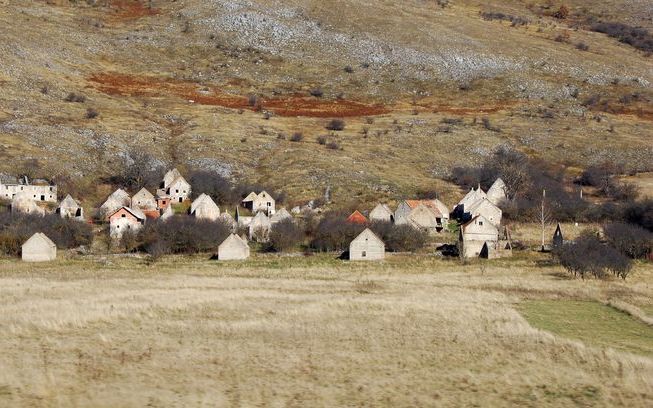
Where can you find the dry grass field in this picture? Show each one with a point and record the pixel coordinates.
(313, 331)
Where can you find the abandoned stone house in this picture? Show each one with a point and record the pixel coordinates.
(367, 246)
(24, 203)
(228, 220)
(115, 201)
(39, 248)
(203, 207)
(485, 208)
(259, 227)
(259, 202)
(280, 215)
(69, 208)
(174, 186)
(479, 238)
(233, 248)
(125, 219)
(429, 215)
(38, 190)
(497, 192)
(357, 218)
(144, 200)
(382, 213)
(474, 195)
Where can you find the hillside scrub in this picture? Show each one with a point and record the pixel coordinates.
(631, 240)
(285, 235)
(525, 179)
(587, 256)
(334, 233)
(15, 229)
(181, 234)
(399, 238)
(636, 37)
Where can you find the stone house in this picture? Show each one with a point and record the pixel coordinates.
(382, 213)
(280, 215)
(125, 219)
(243, 221)
(203, 207)
(429, 215)
(259, 228)
(174, 186)
(162, 203)
(367, 246)
(24, 203)
(485, 208)
(233, 248)
(259, 202)
(357, 218)
(229, 221)
(470, 198)
(116, 200)
(478, 238)
(39, 248)
(69, 208)
(39, 190)
(144, 200)
(497, 192)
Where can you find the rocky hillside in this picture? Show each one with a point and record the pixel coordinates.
(248, 87)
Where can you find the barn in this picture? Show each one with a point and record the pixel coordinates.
(39, 248)
(367, 246)
(233, 248)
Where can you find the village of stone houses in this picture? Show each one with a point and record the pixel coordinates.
(319, 203)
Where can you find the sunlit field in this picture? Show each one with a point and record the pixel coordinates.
(315, 331)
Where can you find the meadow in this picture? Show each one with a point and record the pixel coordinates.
(316, 331)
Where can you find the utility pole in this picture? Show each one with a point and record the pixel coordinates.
(543, 217)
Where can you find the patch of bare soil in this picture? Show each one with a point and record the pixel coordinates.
(132, 9)
(149, 86)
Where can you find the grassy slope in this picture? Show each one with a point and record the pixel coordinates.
(590, 322)
(514, 73)
(302, 331)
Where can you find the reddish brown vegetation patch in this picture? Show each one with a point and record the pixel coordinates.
(132, 9)
(128, 85)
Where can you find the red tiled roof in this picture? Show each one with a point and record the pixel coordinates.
(152, 214)
(357, 218)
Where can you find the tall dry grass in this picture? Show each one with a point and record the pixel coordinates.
(190, 332)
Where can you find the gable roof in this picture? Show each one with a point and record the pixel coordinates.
(282, 214)
(133, 211)
(472, 196)
(356, 218)
(472, 222)
(430, 204)
(369, 234)
(170, 176)
(383, 208)
(202, 200)
(119, 195)
(145, 193)
(497, 191)
(250, 197)
(479, 203)
(234, 239)
(40, 237)
(68, 202)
